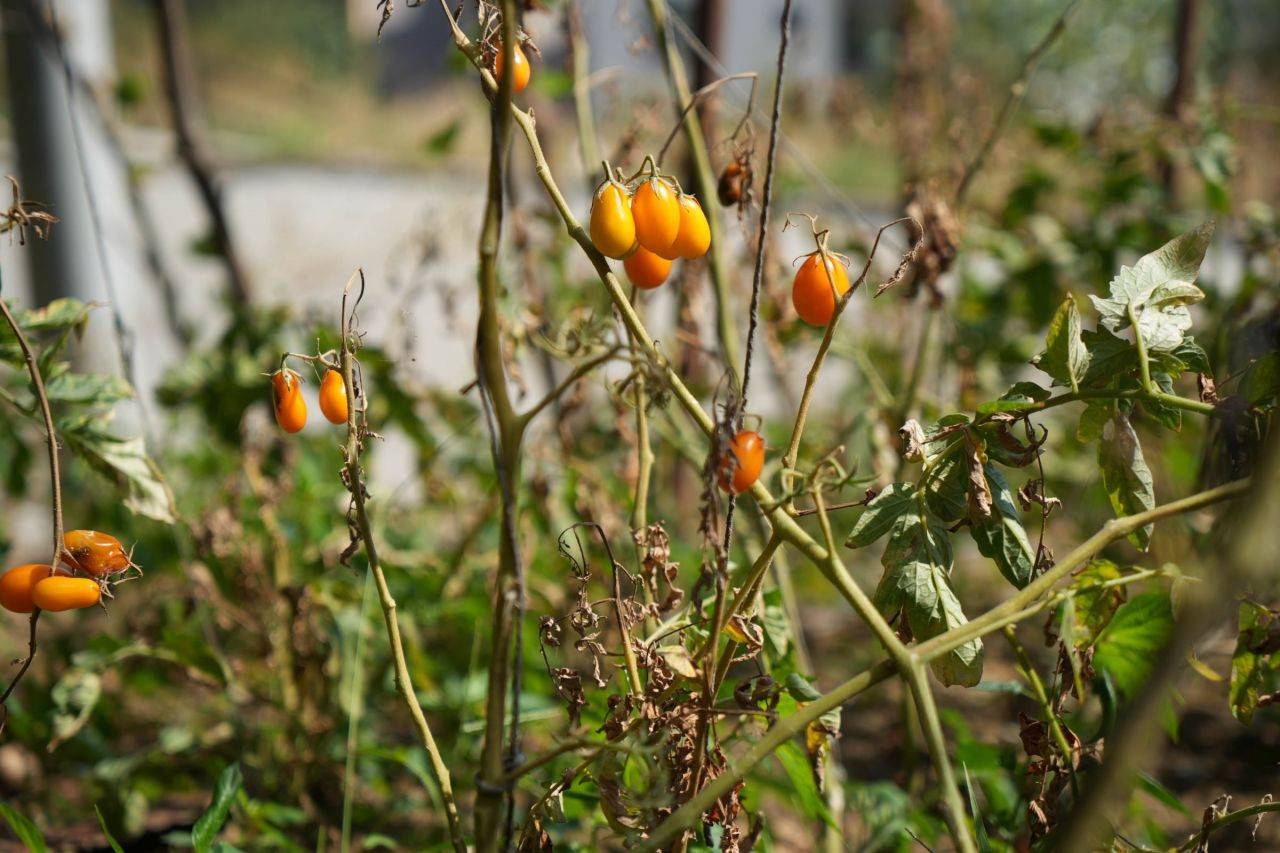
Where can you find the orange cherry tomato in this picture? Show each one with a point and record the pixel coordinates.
(613, 228)
(812, 294)
(17, 585)
(645, 269)
(694, 236)
(286, 397)
(747, 449)
(94, 553)
(333, 397)
(58, 593)
(520, 70)
(657, 215)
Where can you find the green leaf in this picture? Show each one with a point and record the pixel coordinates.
(1093, 605)
(1161, 793)
(210, 823)
(1162, 412)
(1128, 646)
(1109, 357)
(1002, 537)
(1187, 355)
(1261, 384)
(23, 828)
(1065, 357)
(1158, 289)
(1125, 474)
(1093, 419)
(95, 389)
(125, 462)
(917, 562)
(979, 827)
(880, 514)
(115, 845)
(796, 765)
(945, 490)
(1252, 671)
(1021, 397)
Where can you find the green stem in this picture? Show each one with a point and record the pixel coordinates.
(1144, 366)
(1042, 697)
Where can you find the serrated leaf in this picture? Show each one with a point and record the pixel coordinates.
(1129, 644)
(1065, 357)
(125, 462)
(1252, 672)
(1157, 290)
(1125, 474)
(1002, 537)
(210, 823)
(1187, 355)
(880, 514)
(1021, 397)
(917, 562)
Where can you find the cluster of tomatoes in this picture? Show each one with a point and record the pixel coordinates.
(647, 225)
(291, 408)
(89, 563)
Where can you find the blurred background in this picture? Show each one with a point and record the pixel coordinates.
(221, 167)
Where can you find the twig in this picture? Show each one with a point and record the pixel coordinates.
(707, 90)
(580, 67)
(1017, 90)
(171, 19)
(354, 480)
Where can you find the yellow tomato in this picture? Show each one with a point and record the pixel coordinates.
(694, 235)
(613, 229)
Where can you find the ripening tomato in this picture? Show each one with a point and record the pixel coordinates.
(734, 181)
(60, 593)
(333, 397)
(694, 237)
(94, 553)
(657, 215)
(645, 269)
(520, 70)
(747, 448)
(613, 228)
(17, 584)
(286, 397)
(812, 292)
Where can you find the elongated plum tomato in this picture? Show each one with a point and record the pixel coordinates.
(811, 292)
(333, 397)
(747, 448)
(657, 215)
(613, 228)
(17, 584)
(58, 593)
(645, 269)
(694, 236)
(95, 553)
(520, 70)
(286, 397)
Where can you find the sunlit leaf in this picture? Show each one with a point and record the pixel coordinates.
(1127, 647)
(1253, 672)
(880, 514)
(210, 823)
(1065, 357)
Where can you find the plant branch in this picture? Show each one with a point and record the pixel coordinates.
(578, 372)
(1042, 697)
(354, 478)
(997, 617)
(1017, 90)
(704, 179)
